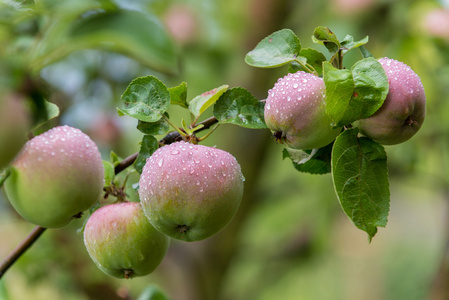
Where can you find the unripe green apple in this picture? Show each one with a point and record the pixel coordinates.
(295, 111)
(55, 177)
(121, 241)
(404, 109)
(190, 192)
(14, 126)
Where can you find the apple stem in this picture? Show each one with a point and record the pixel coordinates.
(21, 249)
(128, 273)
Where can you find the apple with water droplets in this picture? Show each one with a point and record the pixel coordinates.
(14, 126)
(403, 111)
(190, 192)
(122, 242)
(295, 112)
(55, 177)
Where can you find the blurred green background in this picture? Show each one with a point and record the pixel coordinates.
(290, 238)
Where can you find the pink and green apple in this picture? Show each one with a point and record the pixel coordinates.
(122, 242)
(56, 176)
(190, 192)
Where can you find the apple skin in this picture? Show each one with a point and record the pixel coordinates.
(404, 109)
(296, 114)
(14, 126)
(190, 192)
(55, 177)
(121, 241)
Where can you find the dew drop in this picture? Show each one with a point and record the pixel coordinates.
(174, 152)
(161, 162)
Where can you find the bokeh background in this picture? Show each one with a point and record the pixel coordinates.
(290, 238)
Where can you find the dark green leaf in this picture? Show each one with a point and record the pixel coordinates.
(316, 161)
(324, 36)
(202, 102)
(360, 175)
(155, 128)
(146, 99)
(109, 173)
(178, 95)
(314, 58)
(153, 293)
(51, 112)
(148, 145)
(365, 52)
(348, 43)
(277, 49)
(240, 107)
(339, 89)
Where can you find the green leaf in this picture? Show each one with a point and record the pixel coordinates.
(277, 49)
(178, 95)
(152, 293)
(339, 87)
(360, 176)
(314, 58)
(114, 159)
(202, 102)
(238, 106)
(3, 291)
(365, 53)
(370, 89)
(138, 35)
(146, 99)
(348, 43)
(148, 145)
(155, 128)
(316, 161)
(354, 94)
(109, 173)
(324, 36)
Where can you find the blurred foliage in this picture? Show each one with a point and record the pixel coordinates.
(290, 239)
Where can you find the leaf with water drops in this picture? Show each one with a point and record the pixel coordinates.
(202, 102)
(238, 106)
(277, 49)
(146, 99)
(148, 145)
(360, 176)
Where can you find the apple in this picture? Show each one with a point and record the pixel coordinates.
(190, 192)
(402, 112)
(296, 114)
(14, 126)
(55, 177)
(121, 241)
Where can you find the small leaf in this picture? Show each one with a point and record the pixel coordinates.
(316, 161)
(50, 112)
(365, 52)
(148, 145)
(240, 107)
(360, 176)
(202, 102)
(114, 159)
(348, 43)
(146, 99)
(314, 58)
(109, 173)
(277, 49)
(324, 36)
(178, 95)
(154, 128)
(152, 293)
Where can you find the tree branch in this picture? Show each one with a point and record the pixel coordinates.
(171, 137)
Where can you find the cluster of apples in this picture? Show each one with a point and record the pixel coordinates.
(188, 192)
(295, 109)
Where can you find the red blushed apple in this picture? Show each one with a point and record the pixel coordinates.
(56, 176)
(190, 192)
(121, 241)
(295, 112)
(404, 109)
